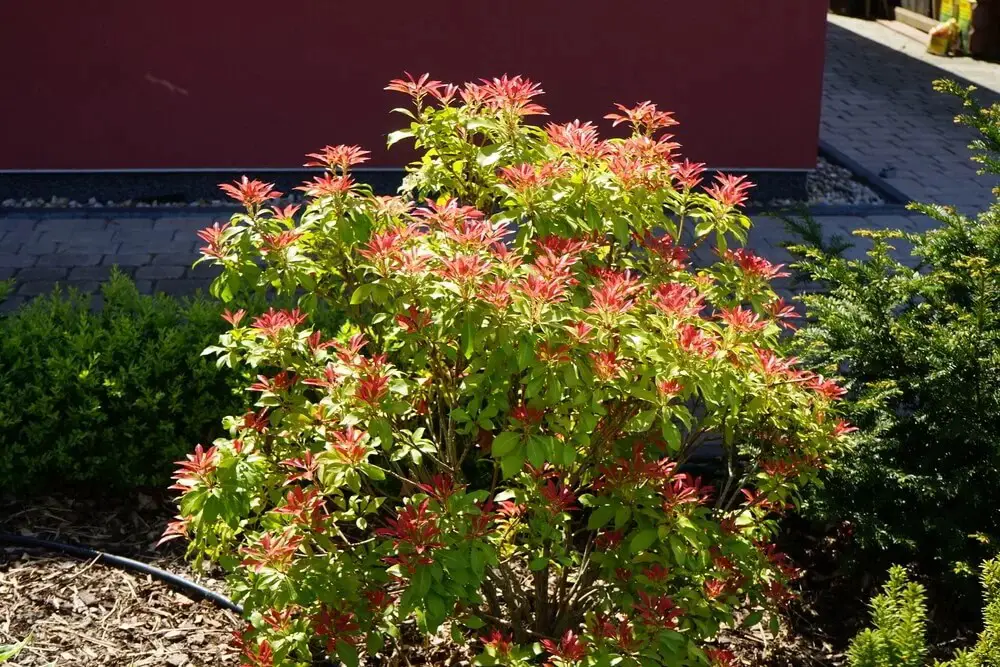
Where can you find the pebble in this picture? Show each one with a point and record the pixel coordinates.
(177, 659)
(828, 184)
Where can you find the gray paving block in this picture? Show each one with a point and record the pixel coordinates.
(188, 225)
(35, 287)
(84, 285)
(203, 270)
(158, 272)
(185, 259)
(100, 273)
(131, 259)
(11, 303)
(18, 260)
(69, 259)
(140, 247)
(151, 236)
(78, 224)
(69, 234)
(17, 224)
(130, 224)
(88, 248)
(38, 248)
(42, 273)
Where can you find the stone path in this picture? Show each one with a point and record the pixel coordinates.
(878, 108)
(158, 253)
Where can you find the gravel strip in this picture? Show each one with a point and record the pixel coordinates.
(828, 184)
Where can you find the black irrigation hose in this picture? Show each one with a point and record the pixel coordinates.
(196, 591)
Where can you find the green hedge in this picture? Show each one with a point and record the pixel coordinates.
(109, 399)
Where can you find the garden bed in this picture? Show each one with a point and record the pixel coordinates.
(80, 612)
(828, 184)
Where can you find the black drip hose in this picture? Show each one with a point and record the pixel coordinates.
(192, 589)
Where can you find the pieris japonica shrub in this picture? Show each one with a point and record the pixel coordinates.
(496, 441)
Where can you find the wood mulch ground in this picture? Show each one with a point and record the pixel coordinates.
(84, 613)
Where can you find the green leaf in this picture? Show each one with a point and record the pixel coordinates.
(361, 293)
(347, 653)
(374, 643)
(538, 564)
(600, 516)
(753, 619)
(473, 622)
(477, 559)
(671, 433)
(621, 230)
(436, 611)
(469, 335)
(489, 155)
(643, 540)
(505, 443)
(536, 451)
(399, 135)
(512, 464)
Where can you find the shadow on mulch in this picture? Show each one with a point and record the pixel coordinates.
(85, 613)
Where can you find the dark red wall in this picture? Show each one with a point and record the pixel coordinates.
(139, 84)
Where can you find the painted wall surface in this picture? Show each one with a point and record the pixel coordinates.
(122, 84)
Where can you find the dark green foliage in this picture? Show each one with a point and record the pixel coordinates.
(899, 616)
(920, 353)
(107, 399)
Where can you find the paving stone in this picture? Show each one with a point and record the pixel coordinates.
(38, 248)
(131, 259)
(11, 303)
(92, 247)
(151, 236)
(17, 260)
(42, 273)
(130, 224)
(34, 287)
(100, 273)
(18, 224)
(158, 272)
(203, 270)
(879, 107)
(69, 259)
(187, 225)
(77, 224)
(184, 259)
(139, 247)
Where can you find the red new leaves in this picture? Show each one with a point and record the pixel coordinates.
(273, 551)
(414, 526)
(197, 469)
(524, 361)
(570, 648)
(250, 193)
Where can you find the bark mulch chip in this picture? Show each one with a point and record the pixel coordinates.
(84, 613)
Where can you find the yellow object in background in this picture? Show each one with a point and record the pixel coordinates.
(943, 36)
(961, 12)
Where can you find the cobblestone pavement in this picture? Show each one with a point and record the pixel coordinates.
(159, 252)
(878, 108)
